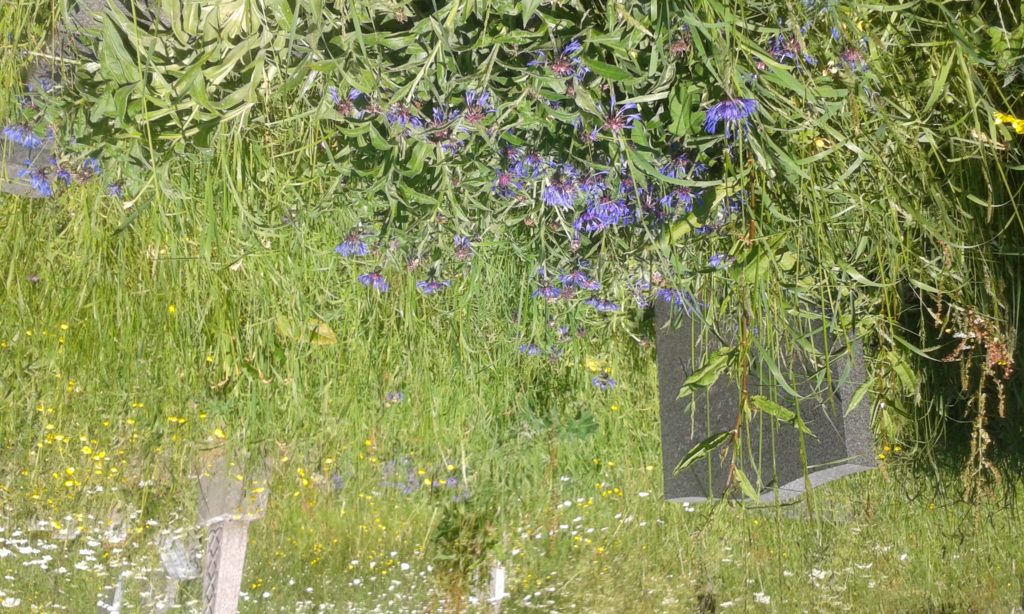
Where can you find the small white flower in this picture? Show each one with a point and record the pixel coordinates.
(762, 598)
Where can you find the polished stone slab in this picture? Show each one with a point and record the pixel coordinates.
(842, 441)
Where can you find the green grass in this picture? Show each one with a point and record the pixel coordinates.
(524, 435)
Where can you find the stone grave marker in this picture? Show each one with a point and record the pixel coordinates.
(842, 441)
(225, 510)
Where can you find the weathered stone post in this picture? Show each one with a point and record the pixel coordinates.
(225, 511)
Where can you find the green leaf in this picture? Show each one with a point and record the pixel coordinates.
(680, 110)
(608, 71)
(116, 63)
(784, 414)
(701, 450)
(715, 364)
(528, 8)
(745, 486)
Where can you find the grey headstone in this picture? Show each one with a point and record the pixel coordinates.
(842, 443)
(223, 565)
(226, 510)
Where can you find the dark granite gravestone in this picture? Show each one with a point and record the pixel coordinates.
(771, 452)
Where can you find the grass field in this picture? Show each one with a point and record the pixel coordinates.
(124, 354)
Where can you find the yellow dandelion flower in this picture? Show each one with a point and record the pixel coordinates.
(219, 433)
(171, 309)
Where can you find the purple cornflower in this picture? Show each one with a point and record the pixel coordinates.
(478, 106)
(679, 195)
(733, 112)
(565, 63)
(506, 184)
(432, 286)
(90, 168)
(562, 187)
(374, 280)
(463, 247)
(604, 213)
(38, 179)
(352, 246)
(579, 279)
(619, 118)
(547, 292)
(530, 349)
(679, 298)
(63, 176)
(23, 135)
(400, 115)
(530, 166)
(679, 166)
(601, 305)
(854, 59)
(603, 382)
(345, 106)
(116, 190)
(441, 129)
(593, 185)
(719, 261)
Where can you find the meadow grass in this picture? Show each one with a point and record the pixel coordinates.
(103, 377)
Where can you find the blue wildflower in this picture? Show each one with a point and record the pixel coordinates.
(679, 195)
(619, 118)
(562, 187)
(441, 129)
(854, 59)
(463, 247)
(605, 213)
(680, 166)
(478, 106)
(547, 292)
(352, 246)
(719, 261)
(90, 168)
(564, 63)
(63, 176)
(530, 349)
(23, 135)
(601, 305)
(530, 166)
(678, 298)
(579, 279)
(733, 112)
(400, 115)
(346, 105)
(374, 280)
(116, 190)
(603, 382)
(432, 286)
(393, 397)
(38, 179)
(506, 184)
